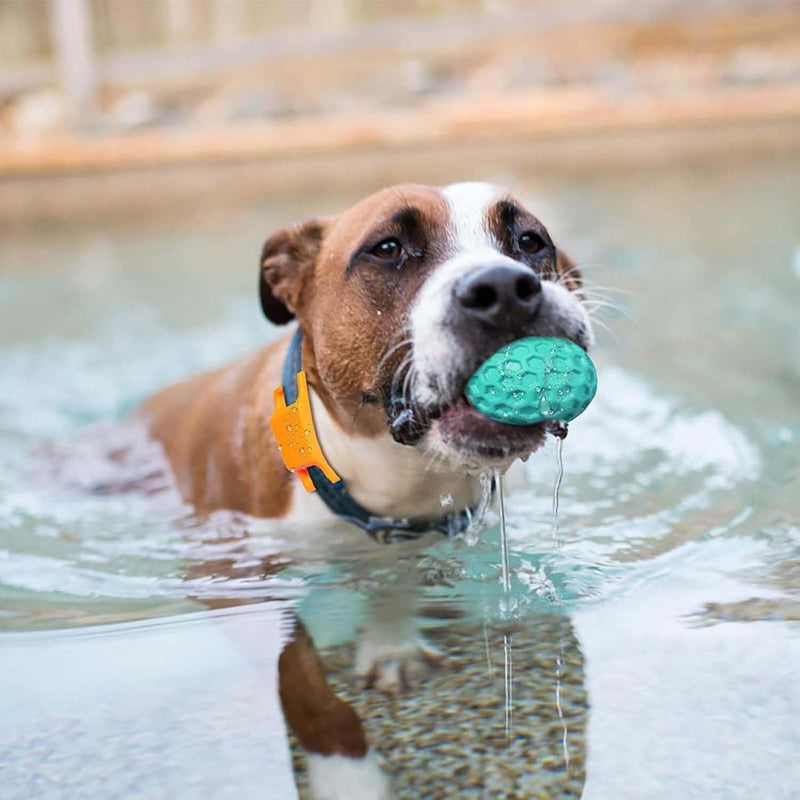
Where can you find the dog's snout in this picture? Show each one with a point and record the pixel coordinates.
(499, 295)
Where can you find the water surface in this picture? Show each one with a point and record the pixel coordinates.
(654, 629)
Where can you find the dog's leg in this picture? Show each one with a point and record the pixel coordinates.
(340, 764)
(391, 654)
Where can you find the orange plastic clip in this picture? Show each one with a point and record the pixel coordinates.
(293, 428)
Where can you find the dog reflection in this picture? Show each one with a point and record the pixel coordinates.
(374, 717)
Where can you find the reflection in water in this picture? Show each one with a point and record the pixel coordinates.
(444, 734)
(410, 696)
(409, 691)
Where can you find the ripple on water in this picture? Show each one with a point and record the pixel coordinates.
(642, 473)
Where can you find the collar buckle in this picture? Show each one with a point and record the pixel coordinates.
(293, 428)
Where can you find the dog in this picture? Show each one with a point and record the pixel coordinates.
(397, 301)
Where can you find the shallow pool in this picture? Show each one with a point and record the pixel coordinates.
(651, 649)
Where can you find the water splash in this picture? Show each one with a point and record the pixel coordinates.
(471, 535)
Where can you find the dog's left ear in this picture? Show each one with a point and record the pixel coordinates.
(287, 261)
(568, 271)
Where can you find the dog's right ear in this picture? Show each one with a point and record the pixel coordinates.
(287, 261)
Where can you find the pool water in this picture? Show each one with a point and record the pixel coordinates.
(650, 644)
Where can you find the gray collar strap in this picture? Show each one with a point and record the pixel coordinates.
(342, 503)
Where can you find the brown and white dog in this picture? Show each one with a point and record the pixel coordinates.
(399, 300)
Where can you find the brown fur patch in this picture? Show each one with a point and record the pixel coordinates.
(569, 272)
(356, 308)
(215, 432)
(287, 260)
(507, 220)
(322, 722)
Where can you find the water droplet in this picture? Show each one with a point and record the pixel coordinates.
(294, 409)
(307, 432)
(280, 447)
(289, 428)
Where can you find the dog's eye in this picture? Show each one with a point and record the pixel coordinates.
(531, 243)
(388, 249)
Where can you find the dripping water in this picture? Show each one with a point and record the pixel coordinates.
(560, 433)
(508, 675)
(559, 475)
(560, 660)
(506, 567)
(564, 731)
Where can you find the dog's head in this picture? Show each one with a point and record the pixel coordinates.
(403, 296)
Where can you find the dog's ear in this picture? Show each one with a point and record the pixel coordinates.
(568, 271)
(287, 261)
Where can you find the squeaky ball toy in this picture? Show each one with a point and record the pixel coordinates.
(536, 379)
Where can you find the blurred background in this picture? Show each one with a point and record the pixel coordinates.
(261, 95)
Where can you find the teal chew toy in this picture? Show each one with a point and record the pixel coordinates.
(532, 380)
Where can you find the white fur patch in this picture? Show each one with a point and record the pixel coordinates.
(471, 244)
(409, 488)
(468, 203)
(343, 778)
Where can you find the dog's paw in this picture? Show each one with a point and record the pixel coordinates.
(391, 667)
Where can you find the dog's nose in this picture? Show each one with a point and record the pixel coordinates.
(499, 295)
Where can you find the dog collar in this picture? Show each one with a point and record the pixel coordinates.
(293, 427)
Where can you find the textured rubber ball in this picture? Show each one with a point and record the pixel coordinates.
(532, 380)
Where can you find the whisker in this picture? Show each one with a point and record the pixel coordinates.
(605, 327)
(594, 306)
(597, 287)
(599, 302)
(389, 353)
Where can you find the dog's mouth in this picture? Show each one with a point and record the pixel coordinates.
(454, 428)
(465, 433)
(477, 439)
